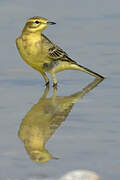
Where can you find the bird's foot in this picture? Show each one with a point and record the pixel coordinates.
(47, 83)
(55, 85)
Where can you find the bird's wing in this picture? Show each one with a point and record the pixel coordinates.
(56, 53)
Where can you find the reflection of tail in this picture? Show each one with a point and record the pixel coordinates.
(84, 69)
(74, 97)
(88, 88)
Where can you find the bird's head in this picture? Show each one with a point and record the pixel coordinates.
(37, 24)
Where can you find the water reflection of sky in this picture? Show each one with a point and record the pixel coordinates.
(89, 32)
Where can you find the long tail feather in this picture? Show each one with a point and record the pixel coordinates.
(84, 69)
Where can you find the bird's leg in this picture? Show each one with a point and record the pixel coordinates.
(45, 92)
(54, 93)
(54, 79)
(45, 78)
(54, 96)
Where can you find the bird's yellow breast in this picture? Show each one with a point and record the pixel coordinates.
(31, 50)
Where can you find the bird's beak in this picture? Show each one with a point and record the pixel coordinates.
(51, 23)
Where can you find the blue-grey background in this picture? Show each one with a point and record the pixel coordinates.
(89, 31)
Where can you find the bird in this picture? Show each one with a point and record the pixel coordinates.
(42, 54)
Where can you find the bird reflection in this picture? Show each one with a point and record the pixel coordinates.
(43, 119)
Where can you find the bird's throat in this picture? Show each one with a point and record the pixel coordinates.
(31, 36)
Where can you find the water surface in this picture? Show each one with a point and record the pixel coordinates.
(88, 135)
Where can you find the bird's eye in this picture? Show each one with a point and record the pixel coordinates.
(37, 22)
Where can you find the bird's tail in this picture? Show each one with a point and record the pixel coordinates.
(84, 69)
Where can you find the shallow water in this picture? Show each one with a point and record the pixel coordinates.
(88, 136)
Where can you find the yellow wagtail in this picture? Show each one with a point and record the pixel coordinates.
(43, 55)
